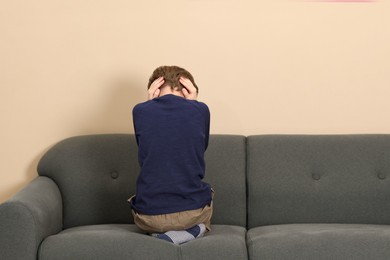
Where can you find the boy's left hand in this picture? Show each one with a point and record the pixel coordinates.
(154, 90)
(189, 91)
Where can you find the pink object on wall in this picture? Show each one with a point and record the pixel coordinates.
(357, 1)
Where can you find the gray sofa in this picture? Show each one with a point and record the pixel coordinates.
(277, 197)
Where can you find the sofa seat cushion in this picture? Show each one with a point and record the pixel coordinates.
(319, 241)
(126, 241)
(222, 242)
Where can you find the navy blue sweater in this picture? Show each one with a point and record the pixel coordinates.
(172, 135)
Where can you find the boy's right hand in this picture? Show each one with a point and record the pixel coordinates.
(189, 90)
(154, 89)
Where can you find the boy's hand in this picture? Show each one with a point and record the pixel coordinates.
(154, 89)
(189, 91)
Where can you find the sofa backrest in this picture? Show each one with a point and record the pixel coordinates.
(318, 179)
(96, 174)
(226, 172)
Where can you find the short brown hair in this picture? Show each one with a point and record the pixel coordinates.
(171, 75)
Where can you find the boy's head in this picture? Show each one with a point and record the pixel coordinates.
(171, 75)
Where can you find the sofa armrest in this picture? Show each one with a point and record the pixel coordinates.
(26, 219)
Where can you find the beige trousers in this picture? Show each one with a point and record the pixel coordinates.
(174, 221)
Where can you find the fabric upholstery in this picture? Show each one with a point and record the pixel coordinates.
(102, 242)
(97, 174)
(225, 242)
(26, 219)
(125, 241)
(225, 171)
(305, 197)
(318, 179)
(319, 242)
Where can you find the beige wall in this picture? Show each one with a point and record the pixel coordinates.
(280, 67)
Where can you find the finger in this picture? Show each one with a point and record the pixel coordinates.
(188, 84)
(186, 81)
(156, 85)
(156, 93)
(185, 92)
(158, 81)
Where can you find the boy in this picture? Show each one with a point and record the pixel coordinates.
(172, 133)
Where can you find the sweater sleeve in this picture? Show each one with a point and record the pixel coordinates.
(207, 124)
(135, 122)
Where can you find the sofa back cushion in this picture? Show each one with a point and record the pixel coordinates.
(225, 171)
(96, 174)
(318, 179)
